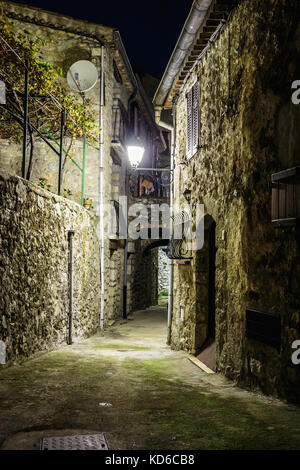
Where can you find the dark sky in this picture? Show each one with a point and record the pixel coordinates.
(149, 28)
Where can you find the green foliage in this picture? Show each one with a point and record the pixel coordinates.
(44, 184)
(45, 88)
(164, 293)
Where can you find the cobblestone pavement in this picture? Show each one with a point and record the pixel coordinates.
(159, 399)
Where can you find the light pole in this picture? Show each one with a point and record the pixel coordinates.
(135, 150)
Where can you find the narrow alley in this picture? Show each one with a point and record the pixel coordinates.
(159, 399)
(150, 227)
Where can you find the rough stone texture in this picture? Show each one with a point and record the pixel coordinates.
(62, 48)
(163, 271)
(143, 277)
(257, 266)
(34, 268)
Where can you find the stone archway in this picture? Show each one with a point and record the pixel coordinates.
(143, 274)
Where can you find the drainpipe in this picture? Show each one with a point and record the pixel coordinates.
(169, 128)
(101, 195)
(194, 21)
(71, 234)
(131, 100)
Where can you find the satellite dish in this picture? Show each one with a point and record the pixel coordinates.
(82, 76)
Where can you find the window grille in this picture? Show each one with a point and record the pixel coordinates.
(175, 249)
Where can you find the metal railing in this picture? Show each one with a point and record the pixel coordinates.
(44, 133)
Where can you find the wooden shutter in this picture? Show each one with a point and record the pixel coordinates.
(195, 90)
(189, 123)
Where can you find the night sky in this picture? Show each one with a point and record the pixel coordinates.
(149, 28)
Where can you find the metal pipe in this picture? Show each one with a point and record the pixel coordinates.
(131, 100)
(25, 125)
(101, 195)
(153, 169)
(83, 169)
(20, 121)
(169, 128)
(66, 153)
(71, 234)
(194, 21)
(126, 244)
(62, 124)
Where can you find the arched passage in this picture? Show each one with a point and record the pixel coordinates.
(143, 274)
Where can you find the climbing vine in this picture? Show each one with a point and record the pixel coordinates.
(47, 95)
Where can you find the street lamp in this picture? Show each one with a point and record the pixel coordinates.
(135, 150)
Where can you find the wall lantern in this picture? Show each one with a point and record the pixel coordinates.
(135, 150)
(187, 194)
(286, 197)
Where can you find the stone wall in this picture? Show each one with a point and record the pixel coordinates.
(142, 276)
(63, 48)
(66, 41)
(248, 130)
(163, 271)
(34, 268)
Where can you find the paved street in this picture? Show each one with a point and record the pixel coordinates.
(159, 399)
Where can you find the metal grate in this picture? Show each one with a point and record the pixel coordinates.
(174, 249)
(77, 442)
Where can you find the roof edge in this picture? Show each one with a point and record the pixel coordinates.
(195, 19)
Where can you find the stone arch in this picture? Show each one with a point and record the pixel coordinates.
(154, 244)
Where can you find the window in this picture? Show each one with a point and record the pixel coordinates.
(117, 75)
(286, 197)
(192, 131)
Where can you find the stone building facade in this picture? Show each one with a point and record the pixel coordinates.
(241, 62)
(126, 109)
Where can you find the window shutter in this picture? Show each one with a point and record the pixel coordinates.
(189, 120)
(195, 90)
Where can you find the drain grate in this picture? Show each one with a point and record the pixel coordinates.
(77, 442)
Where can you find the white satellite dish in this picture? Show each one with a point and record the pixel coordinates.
(82, 76)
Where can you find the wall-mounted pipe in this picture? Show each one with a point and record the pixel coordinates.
(101, 195)
(71, 234)
(195, 19)
(169, 128)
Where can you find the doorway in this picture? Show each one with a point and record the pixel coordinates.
(207, 353)
(211, 329)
